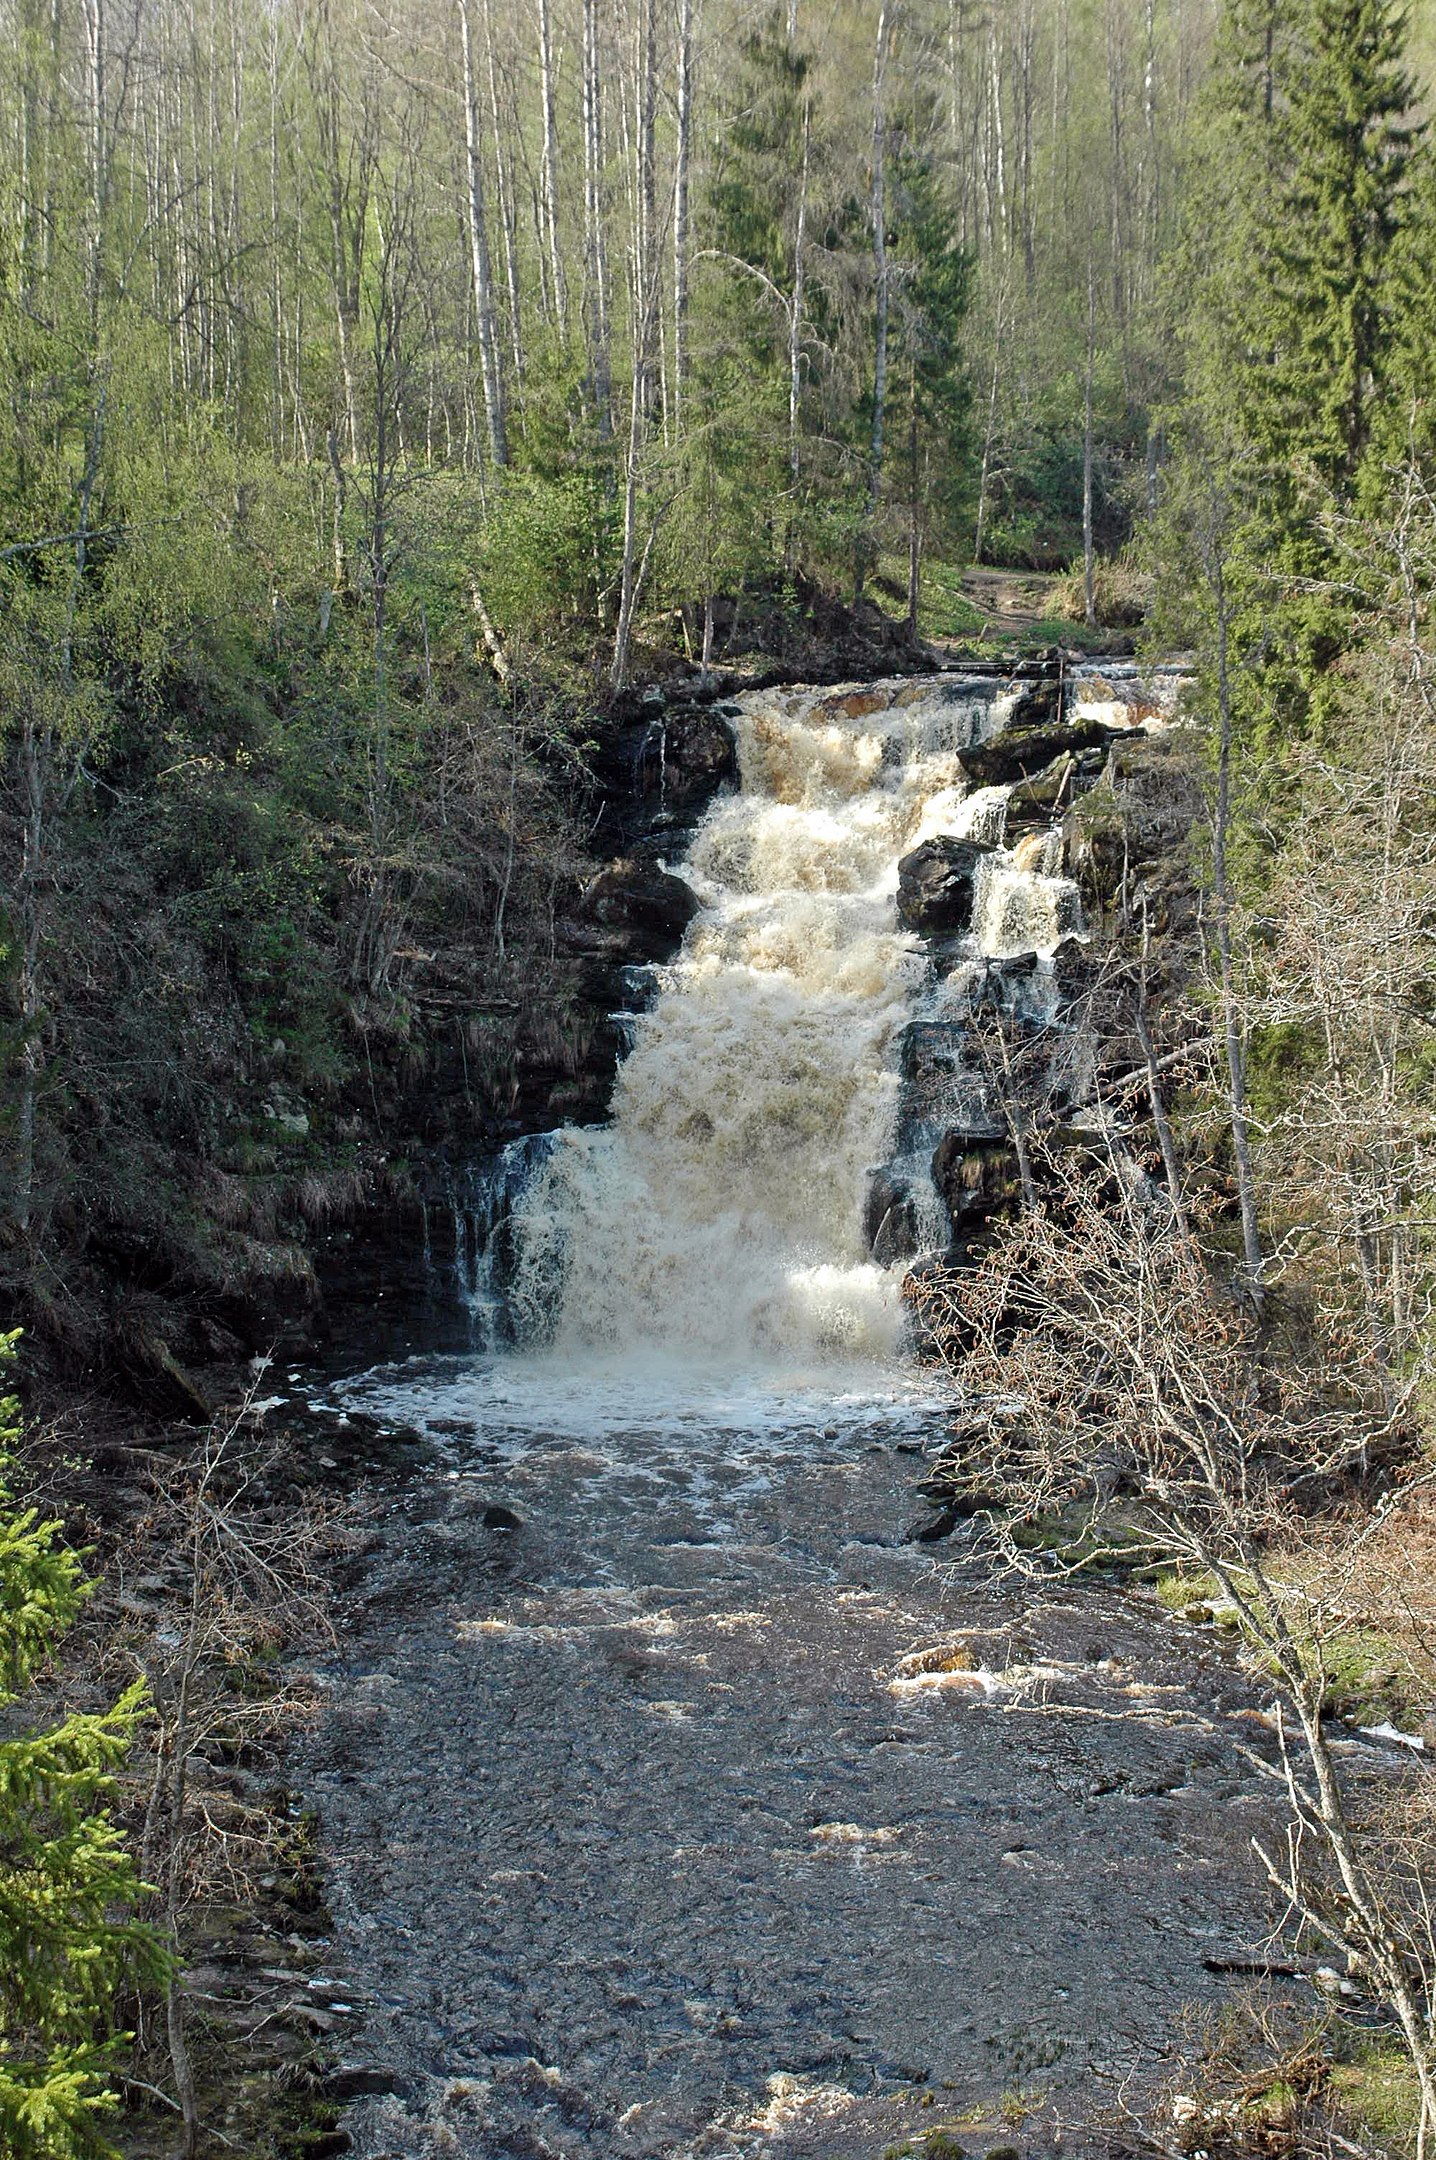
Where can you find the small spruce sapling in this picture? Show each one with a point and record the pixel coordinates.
(67, 1886)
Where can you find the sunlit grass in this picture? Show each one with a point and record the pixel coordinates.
(1378, 2092)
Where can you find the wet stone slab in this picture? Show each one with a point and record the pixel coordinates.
(674, 1806)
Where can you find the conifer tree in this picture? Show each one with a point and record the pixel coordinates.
(1290, 271)
(1406, 426)
(67, 1945)
(1350, 145)
(930, 401)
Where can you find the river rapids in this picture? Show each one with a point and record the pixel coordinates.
(675, 1800)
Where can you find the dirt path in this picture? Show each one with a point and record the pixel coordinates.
(645, 1837)
(1012, 600)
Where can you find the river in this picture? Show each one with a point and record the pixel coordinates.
(675, 1798)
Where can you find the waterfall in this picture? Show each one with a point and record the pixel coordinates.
(718, 1219)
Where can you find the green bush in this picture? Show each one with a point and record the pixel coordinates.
(68, 1943)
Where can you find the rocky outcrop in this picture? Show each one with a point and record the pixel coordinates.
(1132, 830)
(889, 1219)
(684, 754)
(935, 885)
(1034, 802)
(1021, 752)
(976, 1178)
(634, 912)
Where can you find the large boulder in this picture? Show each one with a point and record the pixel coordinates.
(852, 704)
(1023, 752)
(976, 1178)
(697, 750)
(935, 885)
(635, 913)
(889, 1219)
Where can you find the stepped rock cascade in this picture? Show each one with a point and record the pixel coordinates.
(678, 1802)
(720, 1216)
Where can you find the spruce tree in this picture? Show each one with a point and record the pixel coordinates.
(1350, 145)
(1406, 424)
(67, 1886)
(930, 399)
(1286, 308)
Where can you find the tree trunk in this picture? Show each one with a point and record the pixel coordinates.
(645, 311)
(989, 436)
(682, 155)
(1089, 568)
(795, 348)
(1171, 1164)
(914, 531)
(35, 749)
(489, 364)
(1222, 893)
(508, 209)
(879, 214)
(998, 230)
(548, 175)
(600, 374)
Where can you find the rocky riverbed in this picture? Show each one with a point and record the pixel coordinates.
(676, 1802)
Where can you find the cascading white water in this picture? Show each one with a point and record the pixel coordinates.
(717, 1219)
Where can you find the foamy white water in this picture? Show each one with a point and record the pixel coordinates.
(716, 1223)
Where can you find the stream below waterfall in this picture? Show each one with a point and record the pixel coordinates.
(674, 1800)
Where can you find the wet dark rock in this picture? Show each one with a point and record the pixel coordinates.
(638, 913)
(1075, 968)
(356, 2080)
(1099, 850)
(1038, 706)
(1003, 975)
(852, 705)
(1134, 828)
(932, 1529)
(1024, 752)
(976, 1178)
(153, 1373)
(924, 691)
(497, 1517)
(1033, 801)
(935, 885)
(687, 753)
(1048, 661)
(889, 1219)
(932, 1052)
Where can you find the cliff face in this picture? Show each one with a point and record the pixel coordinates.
(264, 1174)
(1038, 941)
(1076, 886)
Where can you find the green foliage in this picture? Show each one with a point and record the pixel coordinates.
(1330, 331)
(1287, 279)
(930, 412)
(542, 553)
(1378, 2090)
(67, 1949)
(758, 169)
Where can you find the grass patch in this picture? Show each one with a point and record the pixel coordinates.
(1377, 2091)
(1369, 1675)
(1062, 630)
(944, 609)
(1178, 1590)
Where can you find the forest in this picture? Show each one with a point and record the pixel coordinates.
(402, 404)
